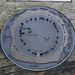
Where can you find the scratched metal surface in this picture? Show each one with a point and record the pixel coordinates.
(68, 9)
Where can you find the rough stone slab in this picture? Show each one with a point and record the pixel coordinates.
(38, 0)
(8, 8)
(2, 56)
(4, 62)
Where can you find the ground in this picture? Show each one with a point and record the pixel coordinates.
(8, 8)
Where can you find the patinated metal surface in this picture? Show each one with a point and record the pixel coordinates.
(39, 38)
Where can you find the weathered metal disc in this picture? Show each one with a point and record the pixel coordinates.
(37, 38)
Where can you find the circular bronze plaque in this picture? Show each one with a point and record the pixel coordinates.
(37, 38)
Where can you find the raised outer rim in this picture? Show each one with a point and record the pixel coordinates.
(38, 69)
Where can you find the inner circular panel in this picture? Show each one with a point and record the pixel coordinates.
(38, 33)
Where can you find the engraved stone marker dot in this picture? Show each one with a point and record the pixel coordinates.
(37, 38)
